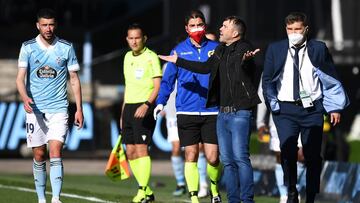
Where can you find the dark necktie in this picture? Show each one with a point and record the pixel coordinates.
(296, 70)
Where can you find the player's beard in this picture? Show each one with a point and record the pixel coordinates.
(49, 37)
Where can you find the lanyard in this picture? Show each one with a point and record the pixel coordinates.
(300, 65)
(302, 59)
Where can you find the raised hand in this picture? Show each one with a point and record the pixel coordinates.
(250, 54)
(170, 58)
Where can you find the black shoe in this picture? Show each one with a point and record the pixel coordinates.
(216, 199)
(150, 198)
(180, 190)
(293, 197)
(310, 198)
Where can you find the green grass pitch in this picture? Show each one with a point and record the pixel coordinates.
(95, 186)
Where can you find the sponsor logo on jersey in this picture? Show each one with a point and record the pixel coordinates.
(60, 61)
(186, 53)
(210, 53)
(46, 72)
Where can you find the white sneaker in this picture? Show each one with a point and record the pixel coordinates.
(283, 199)
(42, 200)
(55, 200)
(203, 191)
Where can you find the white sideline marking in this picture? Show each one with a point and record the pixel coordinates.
(92, 199)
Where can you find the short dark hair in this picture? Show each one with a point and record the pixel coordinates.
(137, 26)
(239, 24)
(194, 14)
(296, 17)
(46, 13)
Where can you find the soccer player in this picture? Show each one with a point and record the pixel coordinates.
(196, 123)
(231, 87)
(46, 61)
(177, 161)
(142, 73)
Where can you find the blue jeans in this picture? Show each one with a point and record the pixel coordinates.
(233, 131)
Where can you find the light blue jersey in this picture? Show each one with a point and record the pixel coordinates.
(47, 70)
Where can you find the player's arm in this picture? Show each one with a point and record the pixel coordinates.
(142, 110)
(20, 85)
(194, 66)
(167, 84)
(76, 89)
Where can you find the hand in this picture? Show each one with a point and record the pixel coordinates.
(335, 118)
(79, 119)
(263, 134)
(27, 104)
(141, 111)
(172, 58)
(157, 110)
(250, 54)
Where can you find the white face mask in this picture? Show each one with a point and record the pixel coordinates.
(295, 38)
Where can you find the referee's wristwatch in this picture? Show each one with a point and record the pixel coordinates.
(147, 103)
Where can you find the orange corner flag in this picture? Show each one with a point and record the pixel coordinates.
(117, 167)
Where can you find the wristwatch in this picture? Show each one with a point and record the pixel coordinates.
(147, 103)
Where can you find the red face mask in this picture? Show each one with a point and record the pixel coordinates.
(197, 34)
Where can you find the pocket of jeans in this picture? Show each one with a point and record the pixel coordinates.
(243, 113)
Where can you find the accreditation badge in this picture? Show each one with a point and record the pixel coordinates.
(306, 99)
(139, 73)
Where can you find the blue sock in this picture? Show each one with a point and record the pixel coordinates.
(178, 167)
(39, 171)
(279, 175)
(56, 176)
(202, 168)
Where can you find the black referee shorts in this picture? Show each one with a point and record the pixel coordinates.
(194, 129)
(137, 130)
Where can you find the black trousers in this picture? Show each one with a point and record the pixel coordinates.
(291, 121)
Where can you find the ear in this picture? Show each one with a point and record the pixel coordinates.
(187, 29)
(38, 26)
(235, 34)
(145, 38)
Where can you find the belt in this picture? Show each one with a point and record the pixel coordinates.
(228, 109)
(297, 102)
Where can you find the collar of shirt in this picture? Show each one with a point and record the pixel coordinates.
(43, 46)
(232, 46)
(303, 44)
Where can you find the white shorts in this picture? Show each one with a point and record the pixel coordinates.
(274, 144)
(40, 128)
(172, 130)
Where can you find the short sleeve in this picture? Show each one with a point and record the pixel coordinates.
(72, 63)
(156, 67)
(23, 60)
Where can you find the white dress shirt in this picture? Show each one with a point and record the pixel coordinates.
(308, 81)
